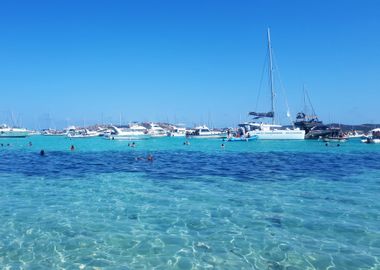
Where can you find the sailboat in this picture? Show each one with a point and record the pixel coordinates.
(270, 131)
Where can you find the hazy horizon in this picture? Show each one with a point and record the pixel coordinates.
(65, 63)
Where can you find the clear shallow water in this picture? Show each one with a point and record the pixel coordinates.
(256, 205)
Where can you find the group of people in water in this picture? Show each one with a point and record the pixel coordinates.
(2, 145)
(72, 148)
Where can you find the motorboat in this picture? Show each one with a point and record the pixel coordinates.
(132, 132)
(177, 132)
(13, 132)
(355, 134)
(240, 139)
(81, 133)
(156, 131)
(313, 127)
(205, 132)
(336, 135)
(373, 137)
(53, 132)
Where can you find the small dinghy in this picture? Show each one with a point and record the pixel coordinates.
(241, 139)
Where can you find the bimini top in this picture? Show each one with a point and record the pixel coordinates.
(257, 115)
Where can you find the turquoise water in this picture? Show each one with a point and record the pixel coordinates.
(249, 205)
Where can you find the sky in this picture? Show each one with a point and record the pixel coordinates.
(192, 62)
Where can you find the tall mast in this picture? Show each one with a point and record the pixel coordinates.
(304, 100)
(271, 74)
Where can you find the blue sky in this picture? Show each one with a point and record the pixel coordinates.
(185, 61)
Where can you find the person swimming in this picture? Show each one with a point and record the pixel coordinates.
(42, 152)
(72, 148)
(150, 157)
(30, 144)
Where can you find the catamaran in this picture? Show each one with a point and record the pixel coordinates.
(270, 131)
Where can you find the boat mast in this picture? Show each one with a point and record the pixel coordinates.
(271, 74)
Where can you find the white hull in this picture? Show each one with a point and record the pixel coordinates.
(158, 135)
(6, 132)
(278, 134)
(371, 141)
(214, 136)
(127, 137)
(355, 136)
(14, 135)
(176, 135)
(54, 135)
(82, 136)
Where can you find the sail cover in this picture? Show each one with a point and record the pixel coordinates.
(257, 115)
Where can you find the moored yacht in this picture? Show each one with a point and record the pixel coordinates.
(264, 131)
(53, 132)
(132, 132)
(81, 133)
(177, 132)
(156, 131)
(309, 122)
(374, 136)
(205, 132)
(354, 134)
(270, 131)
(13, 132)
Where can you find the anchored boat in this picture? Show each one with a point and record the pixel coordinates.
(374, 136)
(13, 132)
(204, 132)
(270, 131)
(133, 132)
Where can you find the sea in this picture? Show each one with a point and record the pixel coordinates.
(248, 205)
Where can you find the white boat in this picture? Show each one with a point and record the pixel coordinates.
(177, 132)
(53, 132)
(13, 132)
(133, 132)
(355, 134)
(81, 133)
(271, 131)
(203, 132)
(373, 137)
(156, 131)
(240, 139)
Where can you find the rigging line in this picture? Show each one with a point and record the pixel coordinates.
(261, 80)
(282, 87)
(305, 109)
(311, 104)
